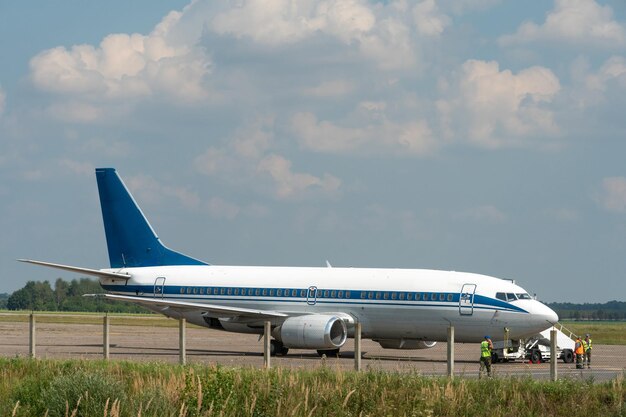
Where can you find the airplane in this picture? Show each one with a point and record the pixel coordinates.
(309, 307)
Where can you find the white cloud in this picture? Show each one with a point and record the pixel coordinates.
(428, 19)
(247, 158)
(330, 88)
(277, 22)
(126, 66)
(289, 184)
(151, 191)
(493, 108)
(378, 135)
(612, 195)
(573, 21)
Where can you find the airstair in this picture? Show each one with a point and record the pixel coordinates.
(537, 348)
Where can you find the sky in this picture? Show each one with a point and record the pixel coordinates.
(467, 135)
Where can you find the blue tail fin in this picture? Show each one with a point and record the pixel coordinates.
(130, 239)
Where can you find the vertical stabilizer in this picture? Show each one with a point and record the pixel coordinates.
(131, 241)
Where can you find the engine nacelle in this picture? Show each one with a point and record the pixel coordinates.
(405, 344)
(314, 331)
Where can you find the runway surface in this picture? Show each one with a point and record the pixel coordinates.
(206, 346)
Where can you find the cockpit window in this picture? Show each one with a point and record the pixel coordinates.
(509, 296)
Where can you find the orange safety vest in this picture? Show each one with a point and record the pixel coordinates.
(579, 348)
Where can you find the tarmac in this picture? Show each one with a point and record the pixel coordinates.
(207, 346)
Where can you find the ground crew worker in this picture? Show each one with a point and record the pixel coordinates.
(587, 350)
(579, 351)
(486, 346)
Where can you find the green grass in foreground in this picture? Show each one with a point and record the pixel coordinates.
(94, 388)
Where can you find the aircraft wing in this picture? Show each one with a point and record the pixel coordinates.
(212, 309)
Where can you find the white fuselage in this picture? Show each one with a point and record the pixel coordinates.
(396, 304)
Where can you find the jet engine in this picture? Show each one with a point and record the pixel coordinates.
(405, 344)
(313, 331)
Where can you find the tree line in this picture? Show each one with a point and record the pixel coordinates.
(613, 310)
(65, 296)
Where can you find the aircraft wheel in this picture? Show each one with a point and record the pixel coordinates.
(568, 356)
(277, 348)
(330, 353)
(535, 356)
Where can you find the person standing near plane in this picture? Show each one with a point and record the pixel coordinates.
(579, 351)
(486, 347)
(587, 350)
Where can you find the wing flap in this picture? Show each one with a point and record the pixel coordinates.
(226, 311)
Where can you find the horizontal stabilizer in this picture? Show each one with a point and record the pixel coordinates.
(94, 272)
(227, 311)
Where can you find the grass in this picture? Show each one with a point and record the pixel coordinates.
(602, 332)
(96, 388)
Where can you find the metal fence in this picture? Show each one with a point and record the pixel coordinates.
(115, 337)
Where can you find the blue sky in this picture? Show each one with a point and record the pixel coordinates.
(482, 136)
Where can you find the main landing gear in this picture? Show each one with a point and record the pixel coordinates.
(330, 353)
(277, 348)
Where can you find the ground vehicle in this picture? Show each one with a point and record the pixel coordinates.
(535, 349)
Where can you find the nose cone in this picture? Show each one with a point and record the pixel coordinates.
(543, 312)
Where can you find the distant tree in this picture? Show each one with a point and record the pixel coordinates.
(34, 296)
(4, 297)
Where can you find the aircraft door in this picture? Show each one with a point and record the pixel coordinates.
(159, 287)
(466, 299)
(311, 295)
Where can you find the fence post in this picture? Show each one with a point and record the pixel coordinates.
(267, 330)
(357, 346)
(31, 341)
(105, 337)
(553, 358)
(182, 342)
(451, 351)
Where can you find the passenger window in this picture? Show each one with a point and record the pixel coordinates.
(302, 293)
(442, 297)
(201, 290)
(340, 294)
(347, 294)
(257, 291)
(363, 294)
(409, 296)
(370, 295)
(394, 295)
(188, 290)
(264, 291)
(279, 292)
(333, 294)
(386, 295)
(326, 293)
(230, 291)
(222, 291)
(182, 290)
(378, 295)
(272, 292)
(450, 297)
(401, 295)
